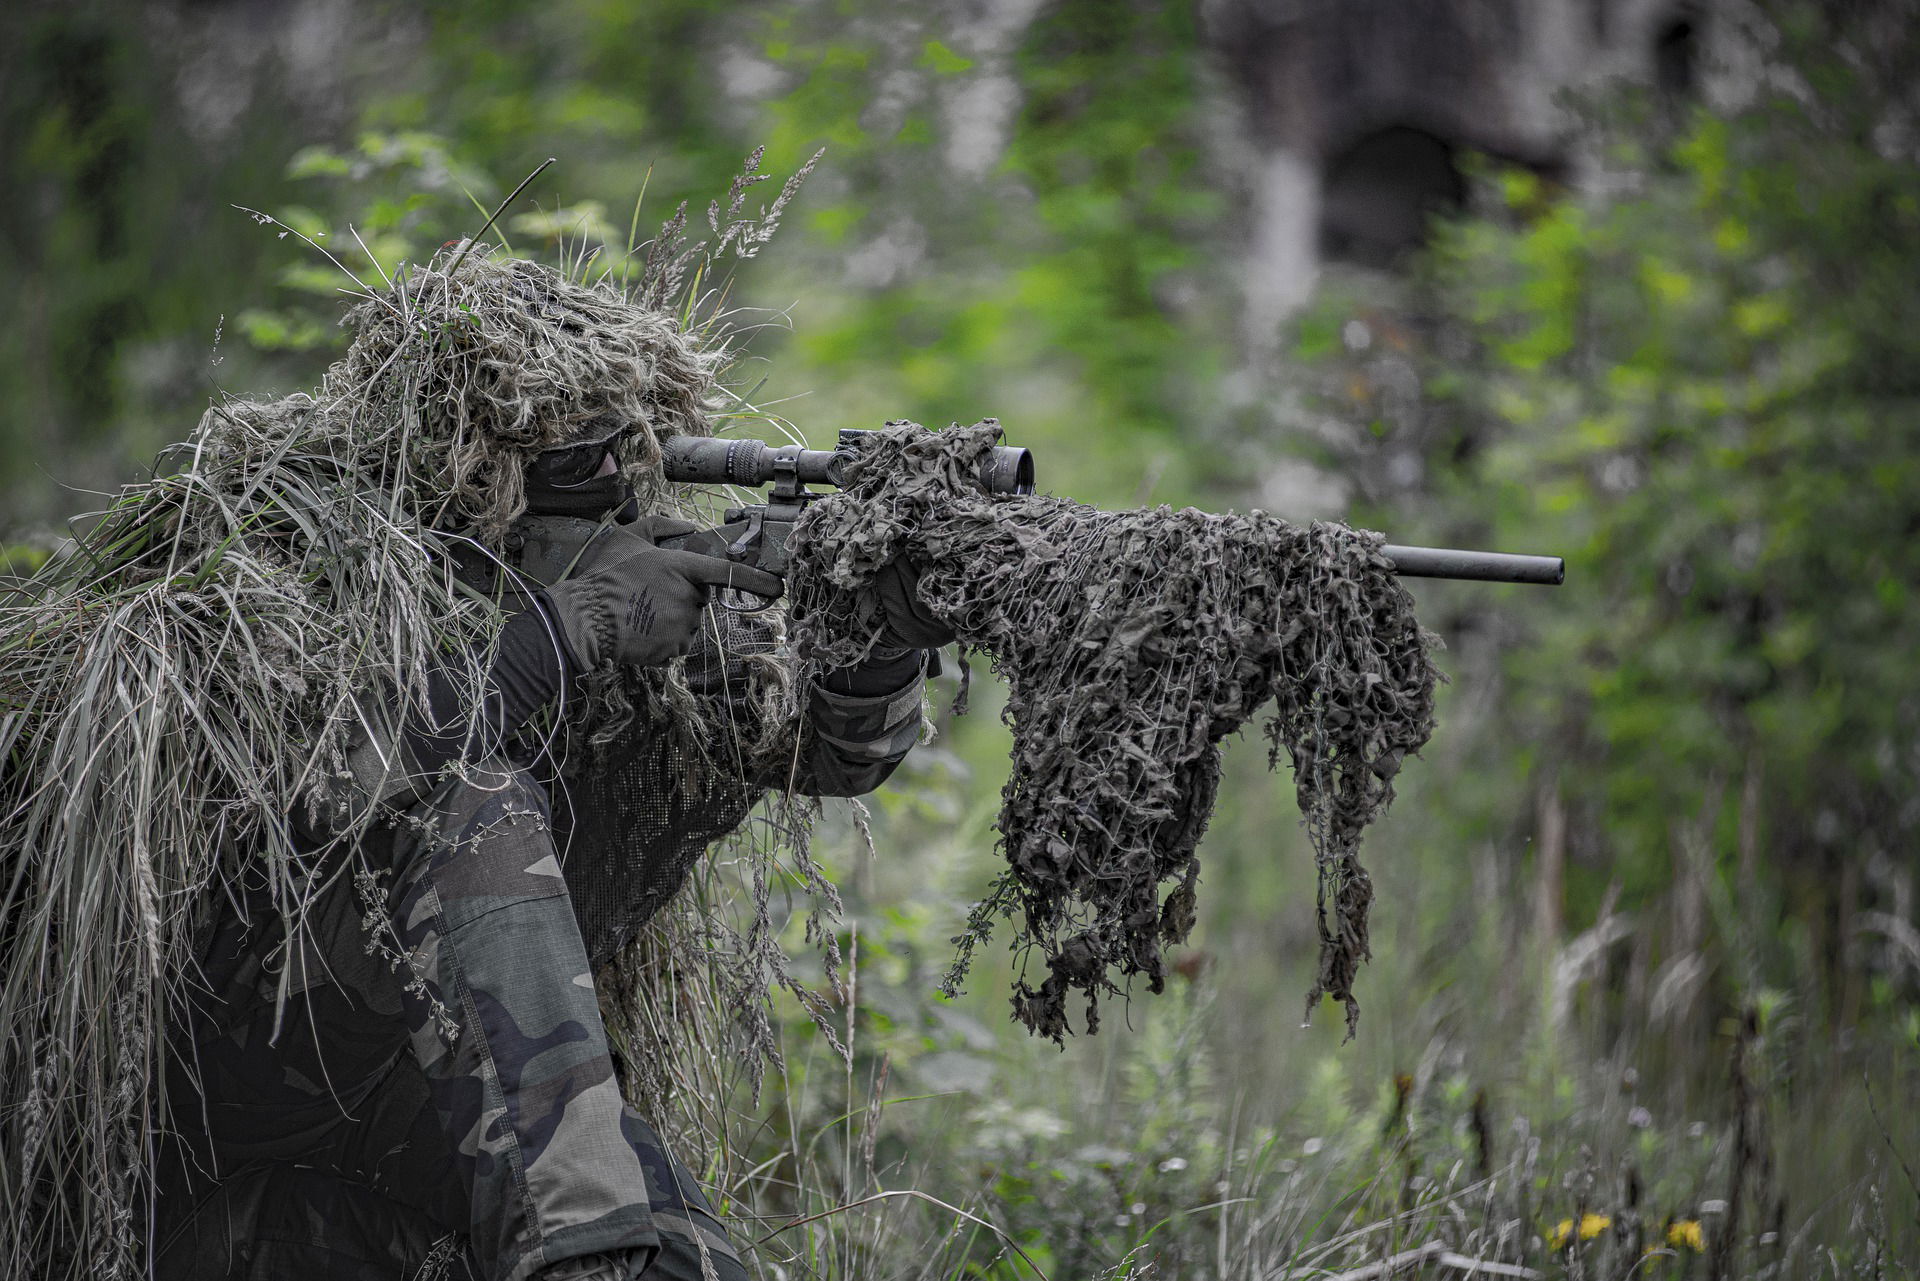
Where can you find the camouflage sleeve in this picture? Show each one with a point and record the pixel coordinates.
(854, 740)
(854, 724)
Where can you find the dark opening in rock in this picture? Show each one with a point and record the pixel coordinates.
(1676, 53)
(1380, 192)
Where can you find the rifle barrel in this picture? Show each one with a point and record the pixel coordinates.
(1492, 567)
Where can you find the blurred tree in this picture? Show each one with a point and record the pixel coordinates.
(130, 131)
(1698, 380)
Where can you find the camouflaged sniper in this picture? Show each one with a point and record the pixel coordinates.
(226, 640)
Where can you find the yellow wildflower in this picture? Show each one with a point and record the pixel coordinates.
(1686, 1232)
(1591, 1226)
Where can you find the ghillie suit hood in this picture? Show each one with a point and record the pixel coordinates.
(180, 688)
(1133, 642)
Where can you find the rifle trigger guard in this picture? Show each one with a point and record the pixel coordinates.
(726, 597)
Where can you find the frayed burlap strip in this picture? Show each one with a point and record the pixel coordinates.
(1132, 643)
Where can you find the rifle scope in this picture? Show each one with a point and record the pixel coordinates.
(711, 460)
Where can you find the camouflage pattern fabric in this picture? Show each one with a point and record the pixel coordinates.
(453, 1115)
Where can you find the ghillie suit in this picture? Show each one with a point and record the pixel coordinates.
(186, 691)
(1133, 642)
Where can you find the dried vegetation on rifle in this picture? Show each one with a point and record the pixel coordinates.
(1133, 643)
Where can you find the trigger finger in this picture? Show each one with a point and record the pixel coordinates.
(759, 582)
(711, 571)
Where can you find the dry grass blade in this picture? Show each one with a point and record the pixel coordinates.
(494, 217)
(913, 1194)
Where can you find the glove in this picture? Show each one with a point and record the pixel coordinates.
(631, 603)
(910, 625)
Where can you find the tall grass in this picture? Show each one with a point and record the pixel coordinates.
(1530, 1127)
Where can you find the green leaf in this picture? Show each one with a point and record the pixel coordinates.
(314, 162)
(943, 60)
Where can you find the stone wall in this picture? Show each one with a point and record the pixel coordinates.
(1354, 113)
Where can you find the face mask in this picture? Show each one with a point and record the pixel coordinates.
(570, 466)
(545, 542)
(590, 499)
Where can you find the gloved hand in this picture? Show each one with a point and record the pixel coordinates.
(910, 625)
(631, 603)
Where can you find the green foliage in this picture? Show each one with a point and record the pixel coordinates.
(1110, 143)
(19, 560)
(1696, 382)
(117, 219)
(1073, 283)
(393, 198)
(1703, 394)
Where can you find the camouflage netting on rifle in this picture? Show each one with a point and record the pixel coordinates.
(1133, 642)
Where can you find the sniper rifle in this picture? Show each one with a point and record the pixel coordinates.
(756, 534)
